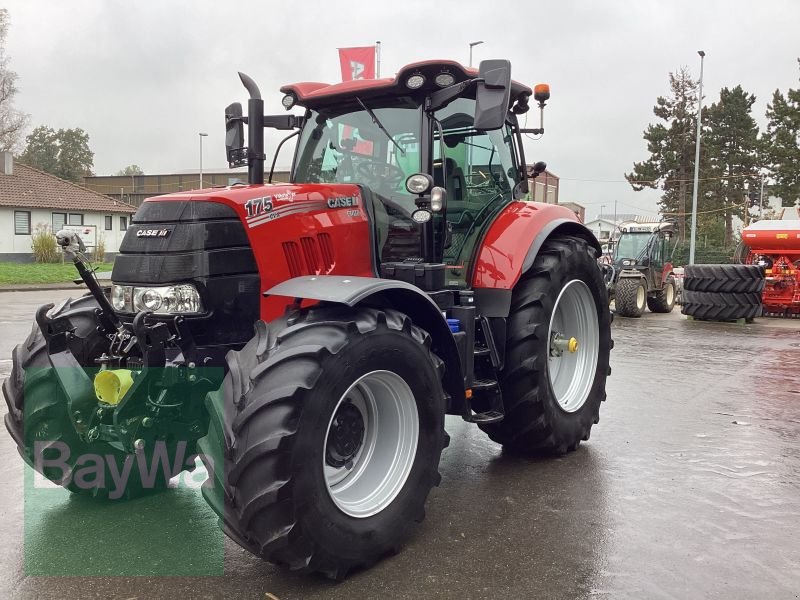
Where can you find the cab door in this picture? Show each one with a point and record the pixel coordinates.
(479, 173)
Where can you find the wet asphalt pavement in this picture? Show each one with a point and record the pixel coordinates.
(689, 488)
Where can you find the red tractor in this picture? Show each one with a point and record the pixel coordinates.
(775, 246)
(400, 277)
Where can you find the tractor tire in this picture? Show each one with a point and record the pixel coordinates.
(551, 401)
(302, 478)
(724, 278)
(39, 422)
(715, 306)
(663, 301)
(630, 297)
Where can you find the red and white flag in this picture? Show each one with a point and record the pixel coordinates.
(357, 63)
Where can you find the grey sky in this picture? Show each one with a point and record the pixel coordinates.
(142, 78)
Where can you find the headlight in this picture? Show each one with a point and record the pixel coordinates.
(415, 81)
(444, 80)
(289, 101)
(181, 298)
(419, 183)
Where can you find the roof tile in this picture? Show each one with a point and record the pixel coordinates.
(30, 188)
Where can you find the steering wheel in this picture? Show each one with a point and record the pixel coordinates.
(380, 174)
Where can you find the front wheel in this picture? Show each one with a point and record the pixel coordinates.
(331, 422)
(557, 352)
(630, 297)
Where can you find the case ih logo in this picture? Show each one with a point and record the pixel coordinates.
(345, 202)
(153, 233)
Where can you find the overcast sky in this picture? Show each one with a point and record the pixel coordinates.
(144, 77)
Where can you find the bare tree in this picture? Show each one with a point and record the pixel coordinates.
(12, 121)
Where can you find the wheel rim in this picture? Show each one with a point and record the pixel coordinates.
(670, 294)
(574, 343)
(370, 444)
(640, 297)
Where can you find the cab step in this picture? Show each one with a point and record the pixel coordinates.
(490, 416)
(490, 388)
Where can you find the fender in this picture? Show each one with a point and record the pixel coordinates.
(668, 269)
(631, 274)
(387, 293)
(511, 245)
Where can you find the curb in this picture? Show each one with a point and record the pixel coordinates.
(40, 287)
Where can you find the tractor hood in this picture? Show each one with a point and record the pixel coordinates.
(234, 243)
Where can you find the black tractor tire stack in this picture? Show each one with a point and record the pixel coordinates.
(722, 292)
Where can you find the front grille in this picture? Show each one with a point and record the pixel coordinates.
(206, 245)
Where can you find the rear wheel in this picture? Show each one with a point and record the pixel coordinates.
(663, 301)
(630, 296)
(331, 424)
(557, 352)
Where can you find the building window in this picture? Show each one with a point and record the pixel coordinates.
(75, 219)
(123, 223)
(22, 222)
(109, 222)
(59, 220)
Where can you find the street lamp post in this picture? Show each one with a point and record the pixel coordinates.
(202, 135)
(471, 46)
(696, 160)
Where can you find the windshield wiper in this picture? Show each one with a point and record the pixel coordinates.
(380, 125)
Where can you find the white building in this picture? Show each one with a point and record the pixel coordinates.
(31, 200)
(603, 226)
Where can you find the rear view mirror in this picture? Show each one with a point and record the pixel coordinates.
(234, 136)
(493, 94)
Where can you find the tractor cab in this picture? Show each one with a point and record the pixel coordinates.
(644, 245)
(435, 151)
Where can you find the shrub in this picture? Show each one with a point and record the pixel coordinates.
(43, 245)
(100, 250)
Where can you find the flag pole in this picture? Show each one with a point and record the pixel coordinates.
(378, 59)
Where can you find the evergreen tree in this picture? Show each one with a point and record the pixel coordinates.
(730, 135)
(782, 145)
(671, 145)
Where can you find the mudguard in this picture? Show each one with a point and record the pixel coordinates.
(511, 245)
(387, 293)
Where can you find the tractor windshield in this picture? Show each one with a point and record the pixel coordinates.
(348, 146)
(631, 245)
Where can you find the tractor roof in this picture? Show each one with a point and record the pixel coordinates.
(312, 94)
(635, 226)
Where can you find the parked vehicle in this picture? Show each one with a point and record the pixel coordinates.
(641, 274)
(774, 245)
(398, 278)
